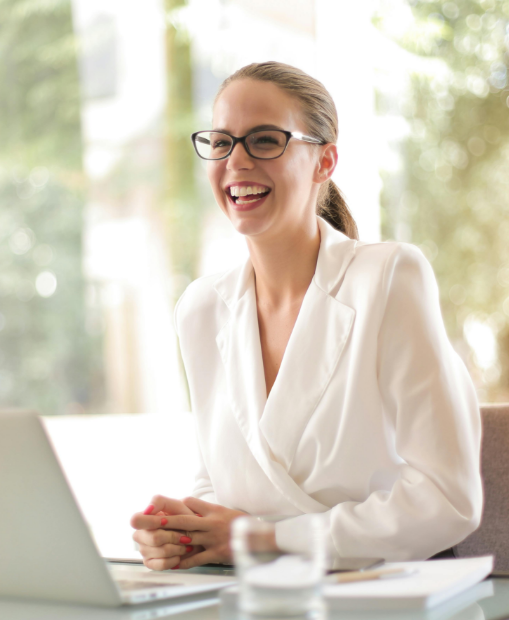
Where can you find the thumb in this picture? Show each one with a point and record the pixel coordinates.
(198, 506)
(168, 506)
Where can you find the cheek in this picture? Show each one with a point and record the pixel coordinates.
(294, 176)
(214, 176)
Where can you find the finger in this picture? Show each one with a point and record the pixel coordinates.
(157, 538)
(196, 538)
(187, 523)
(169, 506)
(205, 557)
(142, 521)
(193, 550)
(162, 563)
(165, 551)
(198, 505)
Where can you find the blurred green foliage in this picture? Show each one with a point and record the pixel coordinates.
(452, 198)
(48, 360)
(181, 206)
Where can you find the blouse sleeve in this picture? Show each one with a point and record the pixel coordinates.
(428, 399)
(203, 488)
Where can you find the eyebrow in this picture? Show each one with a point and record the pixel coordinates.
(257, 128)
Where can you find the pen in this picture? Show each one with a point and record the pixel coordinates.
(368, 575)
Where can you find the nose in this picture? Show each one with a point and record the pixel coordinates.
(239, 158)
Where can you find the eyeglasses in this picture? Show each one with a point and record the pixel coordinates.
(270, 144)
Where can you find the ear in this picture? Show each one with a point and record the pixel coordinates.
(326, 164)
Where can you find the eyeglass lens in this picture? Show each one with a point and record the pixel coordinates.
(261, 144)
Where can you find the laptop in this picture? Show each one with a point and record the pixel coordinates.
(46, 549)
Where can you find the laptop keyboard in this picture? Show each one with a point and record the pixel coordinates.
(127, 585)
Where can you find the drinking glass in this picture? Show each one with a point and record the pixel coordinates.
(275, 581)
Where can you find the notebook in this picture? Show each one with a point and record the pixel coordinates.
(432, 583)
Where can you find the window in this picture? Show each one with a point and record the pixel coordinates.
(106, 214)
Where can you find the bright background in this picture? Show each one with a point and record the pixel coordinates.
(106, 216)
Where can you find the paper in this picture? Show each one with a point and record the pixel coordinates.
(434, 581)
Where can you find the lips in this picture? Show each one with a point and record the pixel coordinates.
(245, 195)
(248, 202)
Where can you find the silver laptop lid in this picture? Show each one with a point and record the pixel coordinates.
(46, 550)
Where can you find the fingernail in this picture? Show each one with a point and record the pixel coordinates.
(148, 510)
(185, 540)
(189, 548)
(175, 567)
(164, 521)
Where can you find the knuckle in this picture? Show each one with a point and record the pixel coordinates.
(148, 562)
(175, 537)
(145, 552)
(158, 538)
(169, 550)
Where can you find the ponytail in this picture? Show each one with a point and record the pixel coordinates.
(334, 210)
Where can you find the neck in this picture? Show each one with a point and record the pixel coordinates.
(285, 265)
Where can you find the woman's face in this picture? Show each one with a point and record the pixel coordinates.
(292, 180)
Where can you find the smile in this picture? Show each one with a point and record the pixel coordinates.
(246, 197)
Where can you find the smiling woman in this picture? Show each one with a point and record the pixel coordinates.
(320, 372)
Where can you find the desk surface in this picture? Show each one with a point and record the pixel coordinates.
(207, 607)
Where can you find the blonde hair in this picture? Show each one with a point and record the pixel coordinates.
(322, 122)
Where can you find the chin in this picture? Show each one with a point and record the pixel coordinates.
(250, 225)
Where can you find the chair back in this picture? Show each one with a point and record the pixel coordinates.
(492, 536)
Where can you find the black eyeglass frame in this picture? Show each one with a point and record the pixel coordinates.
(296, 135)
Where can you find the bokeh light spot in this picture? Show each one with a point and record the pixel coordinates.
(21, 241)
(482, 340)
(46, 283)
(38, 176)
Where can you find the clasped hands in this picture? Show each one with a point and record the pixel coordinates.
(185, 533)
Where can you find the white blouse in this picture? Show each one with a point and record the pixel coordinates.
(372, 420)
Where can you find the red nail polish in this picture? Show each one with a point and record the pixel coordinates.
(175, 567)
(148, 510)
(189, 548)
(185, 540)
(164, 521)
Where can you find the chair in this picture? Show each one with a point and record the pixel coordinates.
(492, 536)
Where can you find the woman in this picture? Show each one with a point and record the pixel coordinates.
(320, 372)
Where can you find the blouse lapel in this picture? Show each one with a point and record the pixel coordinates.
(311, 356)
(313, 351)
(272, 427)
(239, 346)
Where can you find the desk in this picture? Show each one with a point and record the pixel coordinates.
(206, 607)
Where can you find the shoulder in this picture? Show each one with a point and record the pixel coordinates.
(388, 259)
(387, 274)
(205, 301)
(387, 250)
(200, 299)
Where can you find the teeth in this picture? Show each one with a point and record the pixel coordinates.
(245, 202)
(236, 190)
